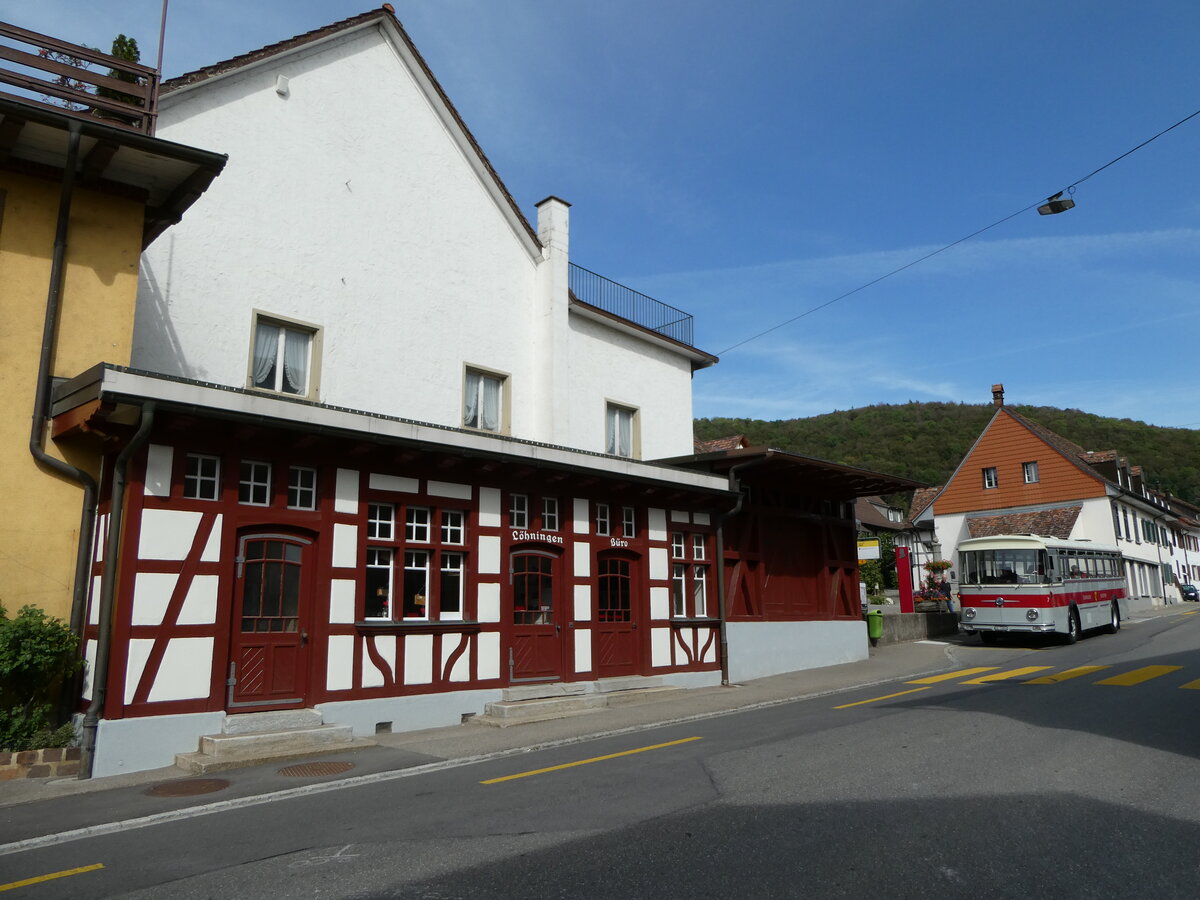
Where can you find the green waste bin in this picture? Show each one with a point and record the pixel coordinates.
(875, 624)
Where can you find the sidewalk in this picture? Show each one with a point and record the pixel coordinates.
(91, 801)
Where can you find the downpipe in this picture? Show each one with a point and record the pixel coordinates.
(41, 403)
(108, 590)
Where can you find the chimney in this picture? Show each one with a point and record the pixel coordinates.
(997, 395)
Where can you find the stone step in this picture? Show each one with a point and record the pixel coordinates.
(272, 720)
(230, 751)
(506, 713)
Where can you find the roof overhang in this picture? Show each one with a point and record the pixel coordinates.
(166, 177)
(114, 394)
(698, 358)
(793, 472)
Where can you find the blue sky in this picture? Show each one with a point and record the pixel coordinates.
(749, 161)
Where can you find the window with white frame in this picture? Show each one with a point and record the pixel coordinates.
(254, 486)
(678, 545)
(698, 546)
(417, 573)
(603, 525)
(483, 400)
(628, 522)
(302, 488)
(1030, 470)
(679, 589)
(989, 478)
(518, 511)
(620, 438)
(700, 591)
(283, 356)
(202, 477)
(550, 514)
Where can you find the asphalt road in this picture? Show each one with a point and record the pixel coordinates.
(1043, 781)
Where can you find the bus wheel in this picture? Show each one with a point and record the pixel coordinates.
(988, 637)
(1072, 634)
(1114, 624)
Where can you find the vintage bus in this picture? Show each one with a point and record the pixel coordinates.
(1029, 584)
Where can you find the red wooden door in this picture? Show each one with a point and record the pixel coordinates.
(537, 642)
(268, 658)
(617, 643)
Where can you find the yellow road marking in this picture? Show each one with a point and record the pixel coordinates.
(1190, 686)
(877, 699)
(1004, 676)
(1067, 674)
(584, 762)
(961, 673)
(40, 878)
(1192, 613)
(1137, 676)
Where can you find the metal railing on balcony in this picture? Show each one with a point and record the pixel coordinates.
(600, 292)
(61, 74)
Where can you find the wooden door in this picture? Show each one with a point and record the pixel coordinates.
(536, 652)
(269, 656)
(617, 644)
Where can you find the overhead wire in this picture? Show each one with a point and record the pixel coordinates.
(1070, 189)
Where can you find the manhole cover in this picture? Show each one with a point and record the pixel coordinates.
(315, 769)
(189, 788)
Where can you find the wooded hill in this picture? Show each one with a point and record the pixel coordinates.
(926, 441)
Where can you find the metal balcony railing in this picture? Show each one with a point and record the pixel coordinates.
(60, 74)
(600, 292)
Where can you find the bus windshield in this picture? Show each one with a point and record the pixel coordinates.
(1002, 567)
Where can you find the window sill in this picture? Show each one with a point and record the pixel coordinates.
(683, 622)
(442, 626)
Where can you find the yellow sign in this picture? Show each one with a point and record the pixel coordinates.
(868, 550)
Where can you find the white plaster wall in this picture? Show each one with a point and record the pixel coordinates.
(137, 744)
(1095, 522)
(761, 649)
(606, 365)
(347, 205)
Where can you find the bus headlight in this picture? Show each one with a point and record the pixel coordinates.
(1032, 615)
(969, 612)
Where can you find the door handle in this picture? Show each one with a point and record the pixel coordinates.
(303, 638)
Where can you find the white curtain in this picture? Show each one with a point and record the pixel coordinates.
(490, 418)
(471, 401)
(266, 346)
(620, 431)
(295, 361)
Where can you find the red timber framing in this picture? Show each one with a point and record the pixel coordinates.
(262, 568)
(790, 551)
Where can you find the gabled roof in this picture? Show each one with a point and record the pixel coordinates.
(921, 500)
(385, 19)
(866, 510)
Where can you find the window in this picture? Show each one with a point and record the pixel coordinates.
(677, 545)
(679, 589)
(282, 356)
(254, 488)
(550, 514)
(628, 522)
(518, 511)
(619, 436)
(697, 546)
(989, 478)
(483, 401)
(700, 590)
(416, 525)
(202, 478)
(1031, 472)
(614, 595)
(689, 582)
(603, 526)
(452, 526)
(302, 488)
(411, 577)
(381, 521)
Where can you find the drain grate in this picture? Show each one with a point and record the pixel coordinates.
(189, 788)
(316, 769)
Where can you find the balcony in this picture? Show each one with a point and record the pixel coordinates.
(78, 81)
(596, 290)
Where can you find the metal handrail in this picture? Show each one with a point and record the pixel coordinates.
(611, 297)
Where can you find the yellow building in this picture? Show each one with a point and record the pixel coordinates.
(82, 192)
